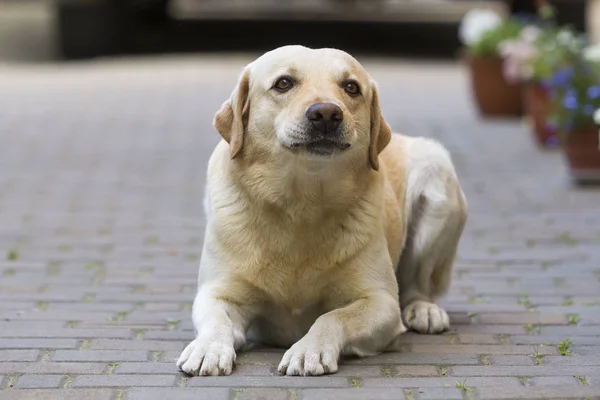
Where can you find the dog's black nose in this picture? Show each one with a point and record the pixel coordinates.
(325, 117)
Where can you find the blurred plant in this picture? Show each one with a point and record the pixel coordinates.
(597, 121)
(517, 54)
(475, 23)
(592, 53)
(540, 49)
(557, 48)
(482, 30)
(575, 90)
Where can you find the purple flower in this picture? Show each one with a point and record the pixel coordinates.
(593, 92)
(570, 100)
(546, 84)
(588, 109)
(552, 141)
(562, 77)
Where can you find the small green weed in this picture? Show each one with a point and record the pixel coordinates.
(564, 347)
(463, 386)
(12, 255)
(574, 319)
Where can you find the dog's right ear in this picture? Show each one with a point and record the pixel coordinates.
(381, 133)
(231, 120)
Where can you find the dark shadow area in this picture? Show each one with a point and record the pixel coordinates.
(106, 27)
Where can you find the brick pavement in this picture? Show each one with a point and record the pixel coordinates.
(102, 168)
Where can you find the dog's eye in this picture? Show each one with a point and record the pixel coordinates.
(283, 84)
(352, 88)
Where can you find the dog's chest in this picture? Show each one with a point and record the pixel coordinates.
(294, 264)
(293, 268)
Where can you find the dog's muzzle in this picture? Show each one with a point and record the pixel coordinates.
(323, 133)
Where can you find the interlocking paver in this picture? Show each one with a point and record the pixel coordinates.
(72, 394)
(263, 394)
(538, 392)
(440, 394)
(52, 368)
(352, 394)
(272, 381)
(39, 381)
(100, 355)
(123, 380)
(19, 355)
(178, 393)
(101, 213)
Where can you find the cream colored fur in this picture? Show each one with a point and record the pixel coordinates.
(317, 253)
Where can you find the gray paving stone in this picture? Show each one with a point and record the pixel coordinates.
(571, 361)
(437, 382)
(177, 393)
(412, 358)
(39, 382)
(115, 344)
(447, 393)
(538, 370)
(351, 394)
(100, 355)
(152, 368)
(254, 370)
(19, 355)
(264, 394)
(66, 333)
(52, 368)
(62, 394)
(123, 381)
(362, 371)
(554, 381)
(536, 392)
(268, 381)
(513, 360)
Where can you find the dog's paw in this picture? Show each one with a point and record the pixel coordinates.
(309, 357)
(426, 317)
(207, 358)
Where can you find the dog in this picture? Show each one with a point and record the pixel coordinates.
(326, 234)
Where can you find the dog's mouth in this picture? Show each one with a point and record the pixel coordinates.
(322, 147)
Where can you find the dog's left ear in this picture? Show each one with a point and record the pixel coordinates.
(381, 133)
(231, 120)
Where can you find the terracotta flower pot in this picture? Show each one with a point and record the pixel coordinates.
(538, 106)
(582, 153)
(494, 96)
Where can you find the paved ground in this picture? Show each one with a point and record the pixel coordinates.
(102, 168)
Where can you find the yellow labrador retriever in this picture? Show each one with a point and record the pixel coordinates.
(321, 223)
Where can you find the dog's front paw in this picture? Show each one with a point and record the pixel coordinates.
(207, 358)
(426, 317)
(309, 357)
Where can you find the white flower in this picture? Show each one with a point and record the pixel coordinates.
(597, 116)
(592, 53)
(565, 37)
(530, 33)
(475, 23)
(516, 55)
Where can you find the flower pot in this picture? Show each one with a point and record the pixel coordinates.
(582, 153)
(538, 106)
(493, 95)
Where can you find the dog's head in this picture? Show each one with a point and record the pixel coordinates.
(311, 103)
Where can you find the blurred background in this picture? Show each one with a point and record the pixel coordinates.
(36, 30)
